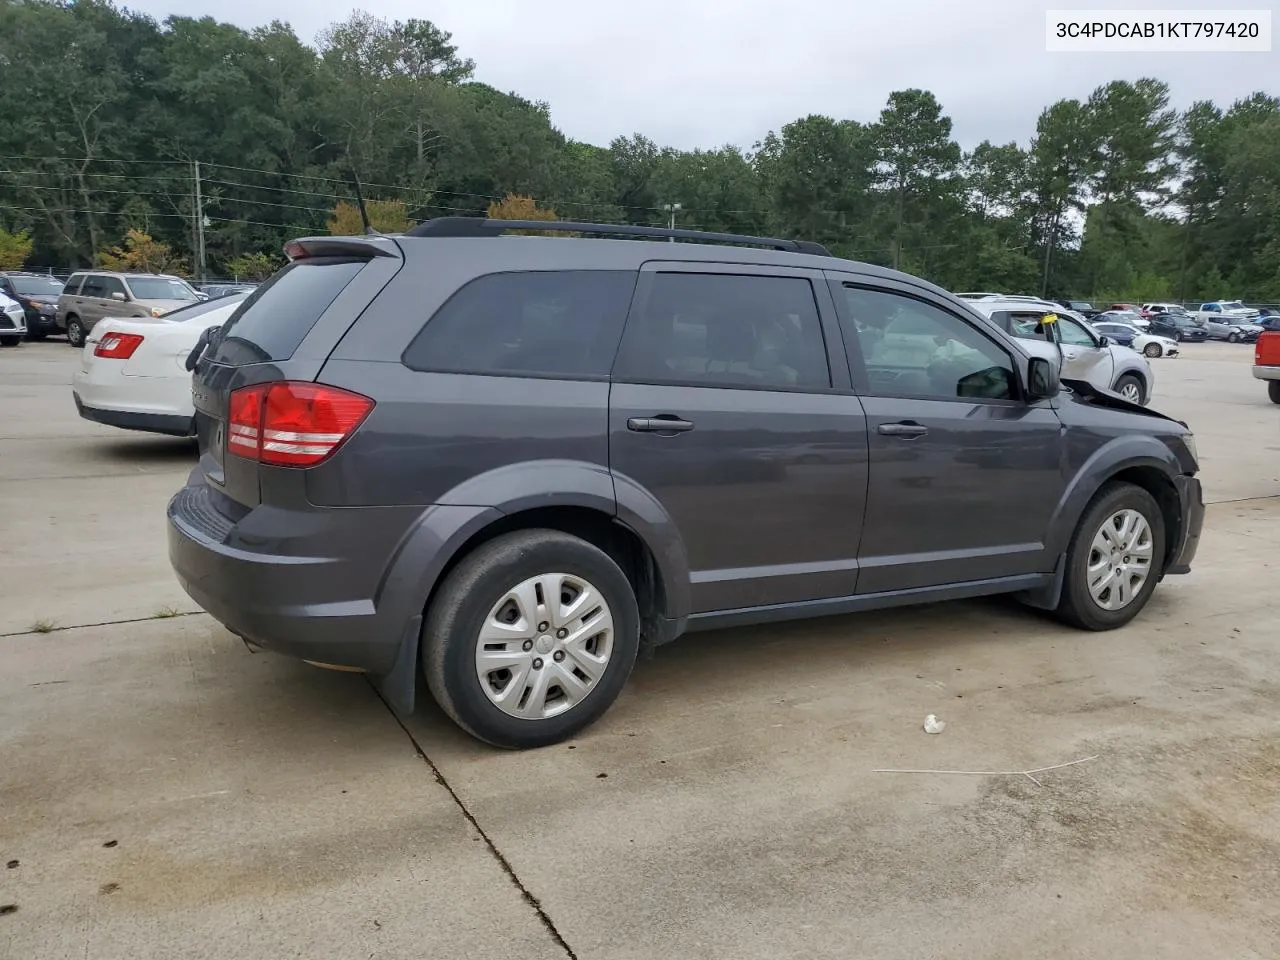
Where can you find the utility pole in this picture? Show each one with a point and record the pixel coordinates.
(672, 209)
(199, 223)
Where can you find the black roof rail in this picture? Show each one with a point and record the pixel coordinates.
(483, 227)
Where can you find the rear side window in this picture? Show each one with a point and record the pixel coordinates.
(275, 318)
(557, 323)
(726, 330)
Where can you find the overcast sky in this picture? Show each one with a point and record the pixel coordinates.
(703, 73)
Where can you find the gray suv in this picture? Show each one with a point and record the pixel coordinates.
(512, 462)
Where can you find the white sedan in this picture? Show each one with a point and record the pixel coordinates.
(133, 371)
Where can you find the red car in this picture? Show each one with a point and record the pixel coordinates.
(1266, 363)
(1136, 308)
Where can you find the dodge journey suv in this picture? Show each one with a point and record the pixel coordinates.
(512, 462)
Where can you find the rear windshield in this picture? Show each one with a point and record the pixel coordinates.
(37, 286)
(202, 308)
(275, 318)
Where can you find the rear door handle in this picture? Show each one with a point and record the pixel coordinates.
(907, 428)
(663, 423)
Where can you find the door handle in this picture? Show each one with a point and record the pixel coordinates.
(907, 428)
(663, 423)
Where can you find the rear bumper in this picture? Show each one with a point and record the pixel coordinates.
(1266, 373)
(1191, 499)
(316, 584)
(168, 424)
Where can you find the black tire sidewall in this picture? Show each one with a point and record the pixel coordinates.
(1273, 390)
(465, 598)
(1077, 605)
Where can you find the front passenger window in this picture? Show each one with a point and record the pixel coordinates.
(1071, 332)
(913, 349)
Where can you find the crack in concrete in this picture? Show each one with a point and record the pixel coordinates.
(104, 623)
(497, 854)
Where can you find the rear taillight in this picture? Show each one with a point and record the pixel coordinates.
(118, 346)
(292, 424)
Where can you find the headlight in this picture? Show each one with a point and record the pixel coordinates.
(48, 309)
(1190, 440)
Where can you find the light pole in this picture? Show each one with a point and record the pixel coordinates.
(672, 209)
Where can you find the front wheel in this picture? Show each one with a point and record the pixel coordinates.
(1273, 390)
(10, 341)
(75, 332)
(1130, 387)
(1115, 559)
(1152, 350)
(1233, 337)
(531, 638)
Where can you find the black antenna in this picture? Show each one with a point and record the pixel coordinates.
(364, 214)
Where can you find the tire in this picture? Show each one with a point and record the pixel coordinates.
(10, 341)
(1080, 606)
(1273, 390)
(75, 331)
(1233, 337)
(1152, 350)
(480, 591)
(1129, 383)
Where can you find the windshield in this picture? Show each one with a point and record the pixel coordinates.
(1233, 305)
(37, 286)
(159, 288)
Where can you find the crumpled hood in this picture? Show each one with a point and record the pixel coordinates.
(1084, 392)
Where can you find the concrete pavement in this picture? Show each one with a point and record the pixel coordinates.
(727, 805)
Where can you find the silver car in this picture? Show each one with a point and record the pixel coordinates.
(1085, 354)
(92, 295)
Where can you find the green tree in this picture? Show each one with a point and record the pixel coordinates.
(916, 153)
(1061, 162)
(253, 266)
(385, 216)
(14, 249)
(141, 254)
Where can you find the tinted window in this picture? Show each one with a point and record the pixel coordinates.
(728, 331)
(563, 323)
(914, 349)
(271, 323)
(92, 287)
(73, 284)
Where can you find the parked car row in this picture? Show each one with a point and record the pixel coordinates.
(72, 306)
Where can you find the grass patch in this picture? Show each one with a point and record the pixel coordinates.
(44, 626)
(164, 613)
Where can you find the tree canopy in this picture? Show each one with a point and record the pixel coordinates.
(1114, 196)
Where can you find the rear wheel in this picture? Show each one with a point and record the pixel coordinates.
(1115, 559)
(1273, 390)
(1131, 388)
(530, 638)
(75, 331)
(1152, 350)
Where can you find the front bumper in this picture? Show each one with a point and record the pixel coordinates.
(13, 324)
(1191, 500)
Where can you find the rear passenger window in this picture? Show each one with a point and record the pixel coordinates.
(726, 330)
(555, 323)
(274, 320)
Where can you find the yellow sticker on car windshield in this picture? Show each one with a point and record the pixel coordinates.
(1049, 318)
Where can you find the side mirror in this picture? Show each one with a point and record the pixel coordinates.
(1042, 379)
(1103, 341)
(117, 295)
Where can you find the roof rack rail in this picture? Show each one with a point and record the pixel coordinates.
(483, 227)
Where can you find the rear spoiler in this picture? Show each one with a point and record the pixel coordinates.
(359, 247)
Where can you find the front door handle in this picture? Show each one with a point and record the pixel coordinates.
(907, 428)
(666, 423)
